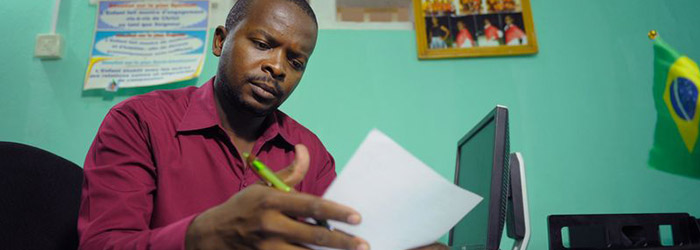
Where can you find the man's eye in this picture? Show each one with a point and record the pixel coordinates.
(297, 64)
(261, 45)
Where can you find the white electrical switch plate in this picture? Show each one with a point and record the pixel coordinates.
(48, 46)
(93, 2)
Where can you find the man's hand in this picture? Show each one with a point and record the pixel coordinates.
(434, 246)
(261, 217)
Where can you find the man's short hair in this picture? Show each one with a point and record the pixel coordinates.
(239, 11)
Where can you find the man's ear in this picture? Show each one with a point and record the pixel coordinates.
(219, 39)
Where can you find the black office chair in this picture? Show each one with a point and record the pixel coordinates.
(39, 199)
(623, 231)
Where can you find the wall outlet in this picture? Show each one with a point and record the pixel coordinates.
(49, 46)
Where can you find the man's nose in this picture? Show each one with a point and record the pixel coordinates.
(275, 66)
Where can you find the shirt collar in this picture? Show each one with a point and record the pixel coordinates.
(201, 113)
(201, 109)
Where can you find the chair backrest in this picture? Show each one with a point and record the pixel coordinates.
(622, 231)
(39, 199)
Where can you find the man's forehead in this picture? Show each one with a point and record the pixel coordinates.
(283, 18)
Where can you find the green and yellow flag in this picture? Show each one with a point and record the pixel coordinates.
(676, 85)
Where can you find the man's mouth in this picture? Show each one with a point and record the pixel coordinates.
(263, 90)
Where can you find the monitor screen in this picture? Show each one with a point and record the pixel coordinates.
(482, 168)
(476, 160)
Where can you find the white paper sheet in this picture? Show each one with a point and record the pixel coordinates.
(403, 202)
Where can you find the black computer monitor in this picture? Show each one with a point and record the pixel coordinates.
(482, 168)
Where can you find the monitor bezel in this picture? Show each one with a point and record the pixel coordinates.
(500, 115)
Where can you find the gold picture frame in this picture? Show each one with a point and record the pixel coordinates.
(473, 28)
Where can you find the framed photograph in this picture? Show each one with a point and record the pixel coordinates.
(472, 28)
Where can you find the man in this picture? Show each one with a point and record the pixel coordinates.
(165, 169)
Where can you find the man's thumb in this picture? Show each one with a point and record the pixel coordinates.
(294, 173)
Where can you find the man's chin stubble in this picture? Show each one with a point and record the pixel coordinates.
(231, 100)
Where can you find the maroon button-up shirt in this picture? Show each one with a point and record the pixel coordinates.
(160, 159)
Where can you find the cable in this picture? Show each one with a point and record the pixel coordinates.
(56, 8)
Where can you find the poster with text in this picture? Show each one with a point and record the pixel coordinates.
(147, 43)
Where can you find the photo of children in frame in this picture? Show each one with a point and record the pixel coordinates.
(488, 30)
(514, 33)
(438, 32)
(465, 28)
(502, 6)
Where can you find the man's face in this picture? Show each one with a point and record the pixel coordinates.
(264, 57)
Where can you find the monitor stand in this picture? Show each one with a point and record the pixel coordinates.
(518, 212)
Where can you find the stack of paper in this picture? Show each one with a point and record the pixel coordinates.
(403, 202)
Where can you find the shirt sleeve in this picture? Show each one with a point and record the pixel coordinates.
(118, 189)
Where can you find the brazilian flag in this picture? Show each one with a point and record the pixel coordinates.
(676, 85)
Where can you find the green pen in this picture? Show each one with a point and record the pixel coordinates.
(266, 173)
(270, 177)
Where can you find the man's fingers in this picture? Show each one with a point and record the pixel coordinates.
(298, 232)
(294, 173)
(306, 205)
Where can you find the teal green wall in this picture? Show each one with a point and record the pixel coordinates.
(581, 110)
